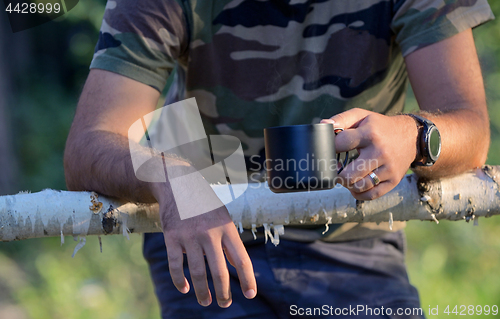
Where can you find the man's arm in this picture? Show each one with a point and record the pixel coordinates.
(449, 88)
(97, 158)
(446, 78)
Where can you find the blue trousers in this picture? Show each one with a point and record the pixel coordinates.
(302, 280)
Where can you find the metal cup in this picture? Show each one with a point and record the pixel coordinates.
(301, 157)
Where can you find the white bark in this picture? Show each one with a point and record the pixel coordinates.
(52, 213)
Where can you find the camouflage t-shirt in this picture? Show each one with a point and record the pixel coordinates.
(252, 64)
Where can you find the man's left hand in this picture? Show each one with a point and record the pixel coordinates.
(387, 145)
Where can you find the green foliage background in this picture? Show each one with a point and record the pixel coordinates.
(452, 263)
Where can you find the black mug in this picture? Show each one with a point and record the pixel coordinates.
(301, 157)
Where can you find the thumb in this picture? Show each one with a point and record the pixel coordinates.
(348, 119)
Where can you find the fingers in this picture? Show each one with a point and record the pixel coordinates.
(348, 119)
(198, 272)
(374, 192)
(358, 169)
(229, 258)
(383, 145)
(365, 188)
(241, 261)
(366, 183)
(209, 237)
(351, 139)
(176, 267)
(219, 272)
(358, 129)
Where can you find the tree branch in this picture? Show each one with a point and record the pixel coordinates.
(53, 213)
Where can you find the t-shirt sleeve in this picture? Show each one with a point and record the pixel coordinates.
(419, 23)
(141, 40)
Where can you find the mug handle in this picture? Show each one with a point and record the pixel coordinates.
(336, 131)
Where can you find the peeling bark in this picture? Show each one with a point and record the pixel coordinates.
(50, 213)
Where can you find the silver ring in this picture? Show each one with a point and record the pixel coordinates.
(374, 178)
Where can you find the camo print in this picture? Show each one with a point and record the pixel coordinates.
(252, 64)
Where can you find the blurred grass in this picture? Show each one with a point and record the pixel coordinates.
(452, 263)
(39, 279)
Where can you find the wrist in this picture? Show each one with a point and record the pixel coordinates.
(412, 133)
(159, 190)
(428, 143)
(162, 191)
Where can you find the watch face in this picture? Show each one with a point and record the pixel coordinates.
(434, 145)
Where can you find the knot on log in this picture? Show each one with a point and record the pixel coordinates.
(109, 220)
(431, 195)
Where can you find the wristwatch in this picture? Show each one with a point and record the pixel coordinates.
(428, 142)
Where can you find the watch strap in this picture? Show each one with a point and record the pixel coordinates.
(423, 126)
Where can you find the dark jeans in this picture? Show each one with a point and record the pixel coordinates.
(294, 277)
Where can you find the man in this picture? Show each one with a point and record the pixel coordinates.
(254, 64)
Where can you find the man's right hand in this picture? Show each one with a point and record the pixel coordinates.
(211, 234)
(97, 158)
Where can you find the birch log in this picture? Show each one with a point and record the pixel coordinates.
(57, 213)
